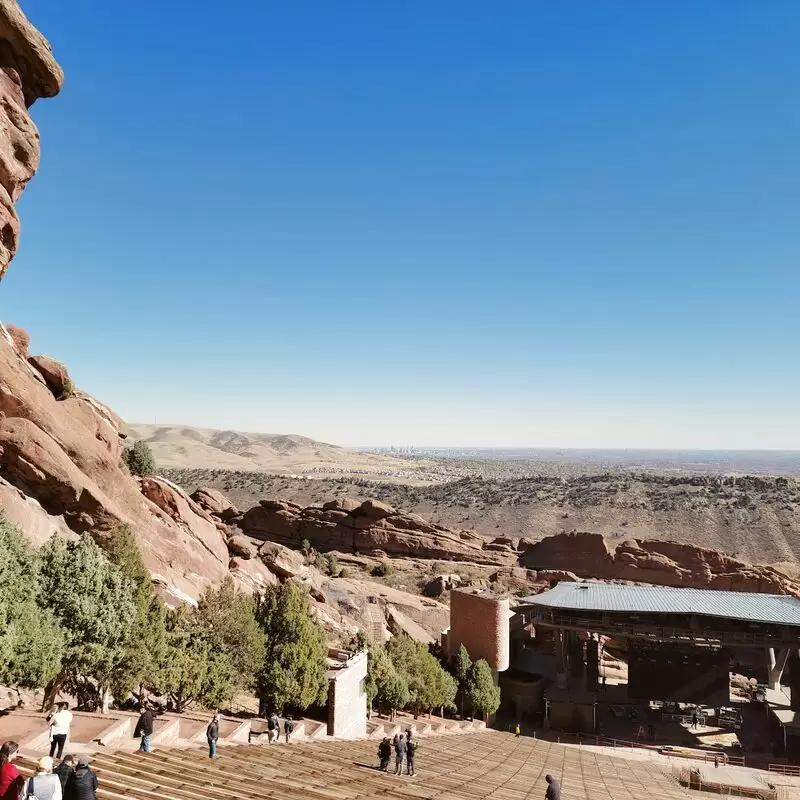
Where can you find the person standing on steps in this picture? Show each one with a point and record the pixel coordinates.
(517, 731)
(411, 749)
(273, 728)
(64, 771)
(83, 785)
(288, 727)
(144, 728)
(212, 734)
(400, 751)
(385, 753)
(44, 785)
(553, 789)
(11, 781)
(60, 723)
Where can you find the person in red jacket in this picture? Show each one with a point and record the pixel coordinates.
(11, 782)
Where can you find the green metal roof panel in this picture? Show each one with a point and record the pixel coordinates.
(621, 598)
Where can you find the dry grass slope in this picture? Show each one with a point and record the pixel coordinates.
(180, 446)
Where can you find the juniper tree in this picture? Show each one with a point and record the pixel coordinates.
(191, 670)
(31, 642)
(139, 459)
(482, 695)
(294, 667)
(227, 618)
(95, 606)
(461, 665)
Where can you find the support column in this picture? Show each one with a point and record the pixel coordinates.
(592, 664)
(777, 663)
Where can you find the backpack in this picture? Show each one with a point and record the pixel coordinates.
(29, 795)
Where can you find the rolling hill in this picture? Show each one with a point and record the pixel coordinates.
(182, 447)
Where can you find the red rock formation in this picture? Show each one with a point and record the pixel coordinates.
(215, 503)
(55, 375)
(367, 527)
(60, 465)
(27, 71)
(665, 563)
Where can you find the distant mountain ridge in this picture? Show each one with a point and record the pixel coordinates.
(183, 446)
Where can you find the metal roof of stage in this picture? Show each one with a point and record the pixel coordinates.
(625, 599)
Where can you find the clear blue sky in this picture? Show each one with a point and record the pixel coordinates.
(417, 222)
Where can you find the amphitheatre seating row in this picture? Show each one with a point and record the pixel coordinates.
(467, 766)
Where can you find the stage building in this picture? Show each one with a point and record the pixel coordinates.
(680, 645)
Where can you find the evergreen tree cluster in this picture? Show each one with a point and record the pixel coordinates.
(78, 618)
(139, 459)
(405, 674)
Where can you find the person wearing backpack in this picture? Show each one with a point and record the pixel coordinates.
(212, 734)
(83, 784)
(44, 785)
(288, 727)
(385, 753)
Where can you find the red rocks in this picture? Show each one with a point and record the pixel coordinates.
(20, 338)
(665, 563)
(242, 547)
(28, 71)
(215, 503)
(28, 53)
(367, 527)
(55, 376)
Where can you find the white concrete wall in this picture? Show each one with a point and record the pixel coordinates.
(347, 700)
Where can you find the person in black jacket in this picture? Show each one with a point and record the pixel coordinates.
(64, 772)
(144, 728)
(83, 783)
(212, 734)
(385, 753)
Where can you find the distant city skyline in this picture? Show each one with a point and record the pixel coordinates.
(459, 224)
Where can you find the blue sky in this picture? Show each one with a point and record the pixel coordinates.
(514, 223)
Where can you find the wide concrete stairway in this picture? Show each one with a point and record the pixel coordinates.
(467, 766)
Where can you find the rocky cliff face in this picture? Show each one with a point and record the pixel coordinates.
(353, 527)
(28, 71)
(589, 555)
(60, 450)
(61, 471)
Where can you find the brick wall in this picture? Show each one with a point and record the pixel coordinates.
(480, 622)
(347, 700)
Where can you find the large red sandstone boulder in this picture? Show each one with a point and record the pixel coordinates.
(242, 547)
(215, 503)
(28, 71)
(55, 376)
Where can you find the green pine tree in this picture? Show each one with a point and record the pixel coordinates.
(294, 668)
(429, 685)
(482, 695)
(228, 620)
(461, 665)
(31, 642)
(190, 669)
(139, 459)
(94, 604)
